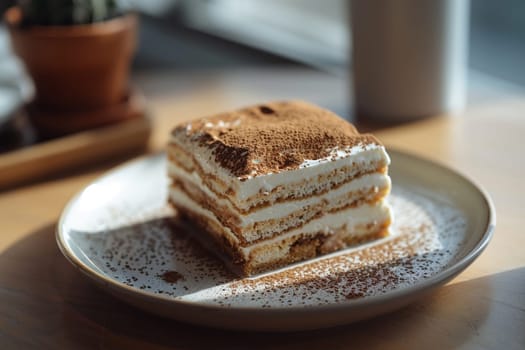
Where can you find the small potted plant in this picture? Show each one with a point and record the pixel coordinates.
(78, 54)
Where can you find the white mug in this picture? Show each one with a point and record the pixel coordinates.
(409, 57)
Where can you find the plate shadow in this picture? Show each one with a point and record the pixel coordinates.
(46, 303)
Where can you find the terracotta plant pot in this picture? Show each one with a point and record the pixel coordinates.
(76, 68)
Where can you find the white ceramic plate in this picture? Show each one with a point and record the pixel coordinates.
(120, 233)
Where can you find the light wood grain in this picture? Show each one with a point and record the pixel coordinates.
(46, 303)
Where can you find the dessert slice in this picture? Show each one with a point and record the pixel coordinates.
(273, 184)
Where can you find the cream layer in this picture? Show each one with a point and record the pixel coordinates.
(353, 219)
(376, 182)
(359, 158)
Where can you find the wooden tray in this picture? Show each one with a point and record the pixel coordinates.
(51, 157)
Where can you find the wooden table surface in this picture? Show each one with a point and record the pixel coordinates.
(46, 303)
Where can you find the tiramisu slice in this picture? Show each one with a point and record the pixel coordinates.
(273, 184)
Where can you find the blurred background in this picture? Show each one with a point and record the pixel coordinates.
(181, 43)
(207, 34)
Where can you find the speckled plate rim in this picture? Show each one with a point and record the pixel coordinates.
(403, 295)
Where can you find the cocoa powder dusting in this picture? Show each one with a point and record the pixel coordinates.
(152, 251)
(272, 137)
(171, 276)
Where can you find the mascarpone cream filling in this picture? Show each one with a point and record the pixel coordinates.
(352, 218)
(375, 181)
(360, 157)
